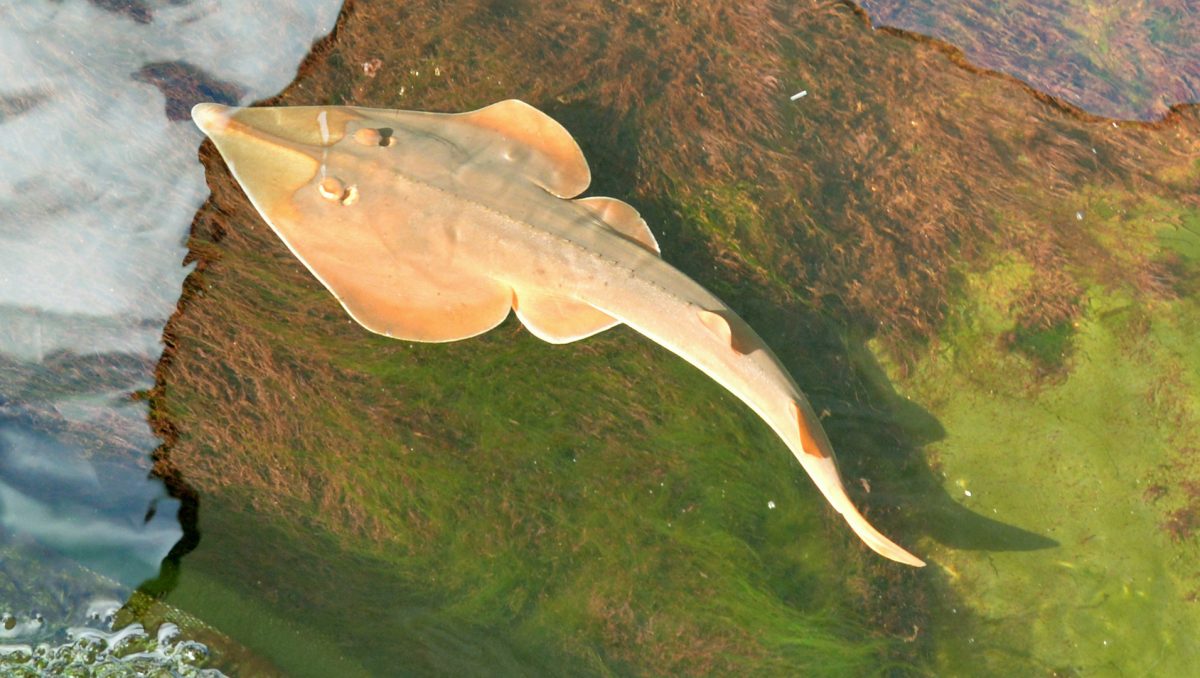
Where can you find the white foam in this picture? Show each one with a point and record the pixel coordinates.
(127, 651)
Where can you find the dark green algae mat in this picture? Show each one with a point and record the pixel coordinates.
(990, 296)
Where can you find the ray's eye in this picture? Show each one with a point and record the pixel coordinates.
(381, 136)
(332, 189)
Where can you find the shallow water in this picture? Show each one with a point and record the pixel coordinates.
(990, 299)
(98, 186)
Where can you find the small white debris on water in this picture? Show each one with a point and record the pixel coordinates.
(771, 504)
(371, 68)
(967, 492)
(799, 95)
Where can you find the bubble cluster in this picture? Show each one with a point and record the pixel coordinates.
(91, 652)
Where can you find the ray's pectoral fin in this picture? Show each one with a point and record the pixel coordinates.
(509, 136)
(419, 306)
(559, 319)
(536, 144)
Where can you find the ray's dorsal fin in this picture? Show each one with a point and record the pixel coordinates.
(724, 331)
(809, 442)
(622, 218)
(559, 319)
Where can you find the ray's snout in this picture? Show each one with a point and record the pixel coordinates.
(210, 118)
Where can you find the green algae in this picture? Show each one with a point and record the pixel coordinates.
(729, 217)
(539, 538)
(1073, 458)
(501, 505)
(1047, 346)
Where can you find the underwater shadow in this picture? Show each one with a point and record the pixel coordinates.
(189, 521)
(877, 433)
(928, 507)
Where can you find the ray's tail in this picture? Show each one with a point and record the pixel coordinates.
(816, 456)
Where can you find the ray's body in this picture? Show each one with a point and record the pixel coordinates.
(431, 227)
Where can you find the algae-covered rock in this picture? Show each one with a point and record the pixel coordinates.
(500, 505)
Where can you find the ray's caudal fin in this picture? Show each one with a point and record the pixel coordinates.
(433, 227)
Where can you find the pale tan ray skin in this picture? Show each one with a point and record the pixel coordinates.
(436, 235)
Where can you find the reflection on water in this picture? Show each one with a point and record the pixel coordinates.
(84, 506)
(98, 186)
(1109, 57)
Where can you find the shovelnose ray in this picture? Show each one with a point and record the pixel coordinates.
(432, 226)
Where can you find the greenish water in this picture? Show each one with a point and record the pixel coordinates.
(1074, 457)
